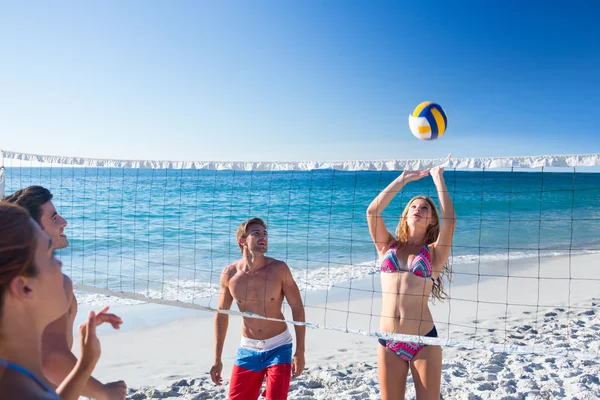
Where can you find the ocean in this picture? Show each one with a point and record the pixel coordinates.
(168, 233)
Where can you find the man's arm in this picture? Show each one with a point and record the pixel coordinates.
(57, 358)
(221, 325)
(294, 300)
(73, 385)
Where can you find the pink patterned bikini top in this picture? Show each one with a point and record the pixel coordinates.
(420, 266)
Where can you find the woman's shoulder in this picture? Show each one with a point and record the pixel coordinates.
(14, 385)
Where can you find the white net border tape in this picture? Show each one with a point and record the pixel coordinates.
(567, 160)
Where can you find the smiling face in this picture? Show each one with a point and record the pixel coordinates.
(252, 236)
(256, 239)
(31, 279)
(54, 225)
(47, 288)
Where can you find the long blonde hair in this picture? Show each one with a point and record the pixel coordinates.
(431, 235)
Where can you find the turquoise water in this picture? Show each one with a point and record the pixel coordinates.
(169, 233)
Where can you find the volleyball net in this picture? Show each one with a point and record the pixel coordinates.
(526, 243)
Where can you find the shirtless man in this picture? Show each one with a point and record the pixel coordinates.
(57, 340)
(258, 284)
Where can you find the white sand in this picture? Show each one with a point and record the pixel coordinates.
(172, 360)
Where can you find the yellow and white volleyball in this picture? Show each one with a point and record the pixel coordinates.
(428, 121)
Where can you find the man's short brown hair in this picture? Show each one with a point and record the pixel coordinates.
(32, 199)
(242, 230)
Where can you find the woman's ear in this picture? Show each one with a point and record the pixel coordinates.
(19, 287)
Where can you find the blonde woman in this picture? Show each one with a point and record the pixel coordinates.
(413, 262)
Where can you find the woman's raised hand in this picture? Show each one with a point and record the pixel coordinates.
(411, 176)
(89, 343)
(438, 172)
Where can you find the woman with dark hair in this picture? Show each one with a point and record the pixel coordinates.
(32, 296)
(413, 262)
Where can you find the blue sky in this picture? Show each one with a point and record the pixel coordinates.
(297, 80)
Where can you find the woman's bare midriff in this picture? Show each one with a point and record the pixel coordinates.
(405, 309)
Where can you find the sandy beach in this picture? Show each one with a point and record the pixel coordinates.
(165, 148)
(166, 352)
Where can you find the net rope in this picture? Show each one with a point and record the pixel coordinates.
(161, 232)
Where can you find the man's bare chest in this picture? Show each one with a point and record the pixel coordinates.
(258, 288)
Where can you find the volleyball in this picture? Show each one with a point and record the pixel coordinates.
(428, 121)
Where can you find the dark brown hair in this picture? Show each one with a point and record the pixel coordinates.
(31, 198)
(17, 245)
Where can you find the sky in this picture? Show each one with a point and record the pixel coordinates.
(297, 80)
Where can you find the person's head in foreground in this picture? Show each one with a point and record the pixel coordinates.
(252, 236)
(38, 201)
(31, 296)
